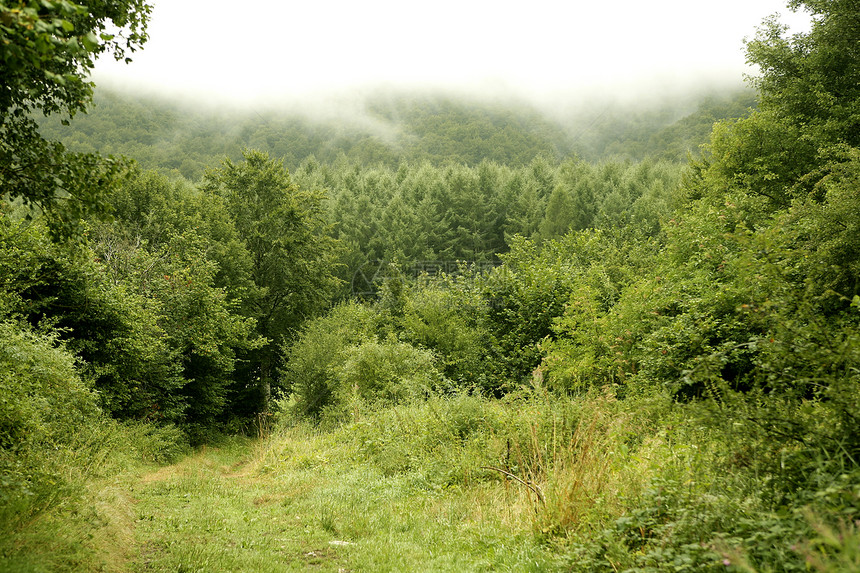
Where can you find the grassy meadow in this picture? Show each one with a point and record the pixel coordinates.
(529, 483)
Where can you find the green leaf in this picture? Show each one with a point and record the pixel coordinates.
(90, 41)
(56, 78)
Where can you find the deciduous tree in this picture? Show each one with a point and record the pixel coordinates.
(292, 255)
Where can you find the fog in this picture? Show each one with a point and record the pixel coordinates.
(270, 52)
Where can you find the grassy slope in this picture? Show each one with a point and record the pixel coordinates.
(408, 489)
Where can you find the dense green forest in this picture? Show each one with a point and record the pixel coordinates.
(655, 343)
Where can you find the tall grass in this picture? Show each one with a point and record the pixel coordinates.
(641, 483)
(561, 465)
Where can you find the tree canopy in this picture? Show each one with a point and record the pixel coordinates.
(291, 255)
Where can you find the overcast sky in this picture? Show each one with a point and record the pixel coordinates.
(274, 49)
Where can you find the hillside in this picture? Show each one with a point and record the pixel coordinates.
(390, 128)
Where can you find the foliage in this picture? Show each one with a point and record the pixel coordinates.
(583, 346)
(179, 250)
(444, 316)
(387, 372)
(523, 297)
(810, 79)
(747, 314)
(309, 360)
(200, 326)
(111, 328)
(152, 210)
(291, 256)
(154, 334)
(48, 50)
(583, 272)
(392, 129)
(55, 448)
(634, 367)
(430, 216)
(808, 107)
(44, 401)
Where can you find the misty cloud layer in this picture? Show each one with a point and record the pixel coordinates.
(270, 52)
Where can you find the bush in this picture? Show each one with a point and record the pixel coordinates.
(378, 373)
(443, 317)
(43, 406)
(307, 371)
(55, 443)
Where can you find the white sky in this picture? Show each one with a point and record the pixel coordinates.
(246, 50)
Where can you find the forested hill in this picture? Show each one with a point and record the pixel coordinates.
(389, 128)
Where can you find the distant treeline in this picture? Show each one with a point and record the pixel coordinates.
(387, 130)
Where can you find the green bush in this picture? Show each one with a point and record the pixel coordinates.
(523, 297)
(43, 406)
(307, 371)
(444, 316)
(55, 445)
(709, 521)
(389, 372)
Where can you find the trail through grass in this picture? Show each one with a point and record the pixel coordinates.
(211, 513)
(230, 509)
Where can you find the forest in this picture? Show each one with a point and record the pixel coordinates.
(479, 335)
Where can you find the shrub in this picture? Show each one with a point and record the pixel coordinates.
(443, 317)
(55, 446)
(379, 373)
(307, 371)
(43, 406)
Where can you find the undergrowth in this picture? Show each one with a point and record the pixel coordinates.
(634, 484)
(60, 457)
